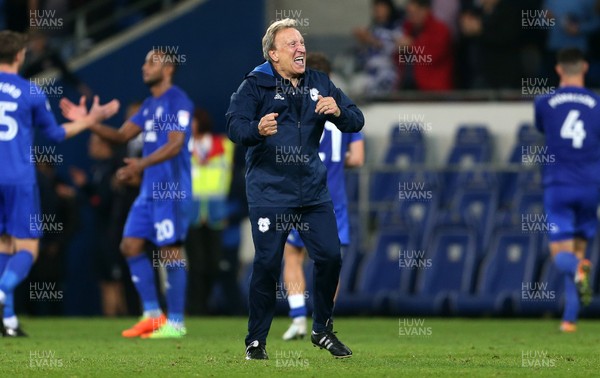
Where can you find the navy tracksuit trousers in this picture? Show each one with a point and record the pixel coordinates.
(270, 228)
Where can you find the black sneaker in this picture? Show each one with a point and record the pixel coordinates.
(329, 341)
(256, 351)
(13, 332)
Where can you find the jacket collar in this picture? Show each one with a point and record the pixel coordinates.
(266, 75)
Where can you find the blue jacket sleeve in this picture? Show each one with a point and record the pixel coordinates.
(351, 119)
(242, 127)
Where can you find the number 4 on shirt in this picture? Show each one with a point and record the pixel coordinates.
(573, 129)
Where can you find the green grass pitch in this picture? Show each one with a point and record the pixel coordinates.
(383, 347)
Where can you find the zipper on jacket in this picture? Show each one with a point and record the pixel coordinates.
(298, 111)
(301, 181)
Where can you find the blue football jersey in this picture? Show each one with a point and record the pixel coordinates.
(157, 117)
(332, 151)
(570, 120)
(23, 108)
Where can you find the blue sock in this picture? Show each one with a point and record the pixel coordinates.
(16, 270)
(4, 257)
(571, 300)
(9, 305)
(142, 276)
(9, 309)
(566, 262)
(177, 279)
(298, 312)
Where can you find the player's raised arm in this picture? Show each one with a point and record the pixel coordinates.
(44, 119)
(73, 112)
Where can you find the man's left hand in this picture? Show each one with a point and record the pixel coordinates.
(130, 171)
(327, 105)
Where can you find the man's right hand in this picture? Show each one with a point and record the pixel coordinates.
(268, 125)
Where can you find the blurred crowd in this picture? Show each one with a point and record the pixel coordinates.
(90, 207)
(57, 19)
(436, 45)
(50, 25)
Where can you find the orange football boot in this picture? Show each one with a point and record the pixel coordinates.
(145, 325)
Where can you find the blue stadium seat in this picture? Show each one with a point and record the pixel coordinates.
(460, 171)
(406, 149)
(529, 202)
(389, 188)
(477, 208)
(381, 271)
(508, 188)
(452, 258)
(510, 261)
(405, 156)
(417, 199)
(516, 156)
(403, 134)
(407, 146)
(476, 134)
(393, 218)
(529, 179)
(527, 138)
(380, 274)
(466, 156)
(384, 188)
(529, 135)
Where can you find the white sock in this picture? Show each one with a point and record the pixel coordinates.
(299, 320)
(296, 301)
(152, 314)
(11, 322)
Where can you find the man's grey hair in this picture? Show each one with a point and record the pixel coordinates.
(268, 41)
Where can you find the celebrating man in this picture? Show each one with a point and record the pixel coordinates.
(279, 112)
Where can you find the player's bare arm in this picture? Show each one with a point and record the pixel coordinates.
(355, 157)
(135, 166)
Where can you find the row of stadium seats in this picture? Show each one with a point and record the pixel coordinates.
(399, 279)
(479, 235)
(446, 279)
(472, 147)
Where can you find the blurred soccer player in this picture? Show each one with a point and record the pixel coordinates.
(158, 215)
(336, 150)
(23, 108)
(570, 119)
